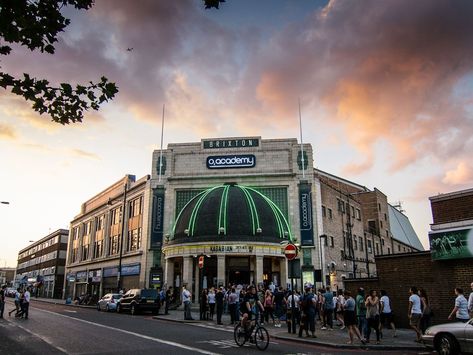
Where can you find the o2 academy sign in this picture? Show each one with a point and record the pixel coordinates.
(231, 161)
(230, 143)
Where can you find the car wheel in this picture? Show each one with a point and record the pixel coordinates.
(98, 307)
(447, 345)
(133, 309)
(119, 308)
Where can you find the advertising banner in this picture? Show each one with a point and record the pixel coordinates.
(157, 219)
(305, 215)
(451, 244)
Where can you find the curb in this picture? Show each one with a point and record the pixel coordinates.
(63, 303)
(347, 346)
(176, 320)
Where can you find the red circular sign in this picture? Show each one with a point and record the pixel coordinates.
(201, 262)
(290, 251)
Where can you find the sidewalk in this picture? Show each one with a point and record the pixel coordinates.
(60, 301)
(332, 338)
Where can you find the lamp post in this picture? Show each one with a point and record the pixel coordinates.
(119, 272)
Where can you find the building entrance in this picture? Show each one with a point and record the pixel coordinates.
(238, 270)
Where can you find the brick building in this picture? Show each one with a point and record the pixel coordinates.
(41, 265)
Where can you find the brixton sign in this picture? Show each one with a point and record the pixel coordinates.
(231, 143)
(231, 161)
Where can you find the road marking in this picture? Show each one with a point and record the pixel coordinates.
(68, 311)
(41, 337)
(157, 340)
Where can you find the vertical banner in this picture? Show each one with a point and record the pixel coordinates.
(157, 219)
(305, 214)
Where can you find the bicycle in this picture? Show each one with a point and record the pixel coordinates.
(257, 334)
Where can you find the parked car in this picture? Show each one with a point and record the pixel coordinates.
(450, 338)
(139, 300)
(11, 292)
(109, 302)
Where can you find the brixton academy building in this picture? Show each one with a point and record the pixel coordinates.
(220, 211)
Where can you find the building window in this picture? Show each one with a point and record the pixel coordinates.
(399, 247)
(370, 248)
(98, 246)
(326, 241)
(347, 208)
(362, 248)
(332, 244)
(342, 254)
(387, 233)
(306, 256)
(389, 250)
(341, 205)
(134, 239)
(385, 217)
(381, 224)
(75, 244)
(358, 214)
(372, 227)
(85, 247)
(86, 228)
(330, 215)
(99, 222)
(136, 207)
(353, 211)
(115, 215)
(379, 207)
(355, 243)
(324, 212)
(114, 244)
(382, 242)
(377, 249)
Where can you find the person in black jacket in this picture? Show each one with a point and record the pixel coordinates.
(219, 297)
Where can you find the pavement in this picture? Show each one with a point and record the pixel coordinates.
(336, 338)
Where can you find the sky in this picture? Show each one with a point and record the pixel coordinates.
(385, 90)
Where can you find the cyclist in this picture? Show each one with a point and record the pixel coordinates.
(251, 301)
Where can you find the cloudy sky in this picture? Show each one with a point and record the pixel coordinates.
(385, 89)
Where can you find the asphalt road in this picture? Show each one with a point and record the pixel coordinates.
(60, 329)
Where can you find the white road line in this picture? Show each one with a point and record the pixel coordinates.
(157, 340)
(46, 340)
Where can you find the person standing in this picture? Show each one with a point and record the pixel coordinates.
(349, 318)
(204, 305)
(168, 300)
(26, 303)
(328, 309)
(232, 306)
(386, 313)
(426, 311)
(361, 311)
(292, 304)
(460, 311)
(415, 312)
(211, 301)
(186, 299)
(17, 303)
(308, 304)
(372, 315)
(279, 301)
(2, 300)
(268, 306)
(340, 308)
(219, 300)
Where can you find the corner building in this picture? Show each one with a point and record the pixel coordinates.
(230, 204)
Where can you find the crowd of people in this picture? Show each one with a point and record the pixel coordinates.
(22, 302)
(362, 314)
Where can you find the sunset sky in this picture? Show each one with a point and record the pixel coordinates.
(385, 89)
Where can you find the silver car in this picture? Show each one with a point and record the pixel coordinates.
(109, 302)
(450, 338)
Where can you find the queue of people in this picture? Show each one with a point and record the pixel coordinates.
(22, 302)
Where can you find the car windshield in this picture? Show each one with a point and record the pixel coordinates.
(117, 297)
(149, 293)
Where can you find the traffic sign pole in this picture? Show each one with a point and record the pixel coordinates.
(290, 251)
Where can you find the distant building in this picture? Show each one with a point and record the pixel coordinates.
(359, 224)
(41, 265)
(7, 275)
(101, 240)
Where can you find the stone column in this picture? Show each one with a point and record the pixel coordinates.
(169, 273)
(221, 270)
(187, 272)
(283, 272)
(258, 269)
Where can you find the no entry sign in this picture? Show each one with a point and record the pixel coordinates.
(290, 251)
(201, 262)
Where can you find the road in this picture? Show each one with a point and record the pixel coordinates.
(61, 329)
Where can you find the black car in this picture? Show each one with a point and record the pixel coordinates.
(138, 300)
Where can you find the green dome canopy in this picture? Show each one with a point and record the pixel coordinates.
(231, 212)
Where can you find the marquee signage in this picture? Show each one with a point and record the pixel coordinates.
(231, 143)
(231, 161)
(305, 215)
(231, 249)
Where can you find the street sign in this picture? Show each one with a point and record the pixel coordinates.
(201, 262)
(290, 251)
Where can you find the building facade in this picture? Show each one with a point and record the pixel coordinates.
(7, 276)
(220, 211)
(42, 264)
(102, 241)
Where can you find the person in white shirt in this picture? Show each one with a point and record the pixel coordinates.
(386, 316)
(460, 311)
(415, 312)
(470, 302)
(186, 299)
(297, 314)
